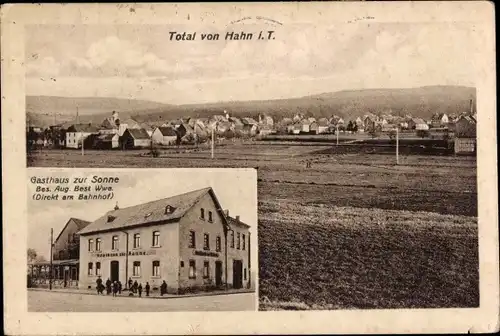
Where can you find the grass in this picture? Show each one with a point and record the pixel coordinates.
(367, 258)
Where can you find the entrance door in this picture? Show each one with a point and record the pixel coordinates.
(114, 271)
(218, 273)
(237, 274)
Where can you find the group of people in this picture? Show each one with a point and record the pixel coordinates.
(115, 287)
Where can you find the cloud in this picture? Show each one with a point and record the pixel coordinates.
(44, 67)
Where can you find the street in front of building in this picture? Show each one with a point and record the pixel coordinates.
(43, 301)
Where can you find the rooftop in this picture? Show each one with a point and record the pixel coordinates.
(147, 213)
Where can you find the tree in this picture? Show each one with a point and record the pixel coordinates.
(32, 255)
(350, 127)
(355, 128)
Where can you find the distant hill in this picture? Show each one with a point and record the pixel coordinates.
(43, 110)
(422, 102)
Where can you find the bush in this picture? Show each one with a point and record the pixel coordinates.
(154, 152)
(423, 133)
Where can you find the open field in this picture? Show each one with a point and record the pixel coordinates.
(353, 231)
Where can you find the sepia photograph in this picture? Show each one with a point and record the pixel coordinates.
(113, 240)
(367, 184)
(357, 138)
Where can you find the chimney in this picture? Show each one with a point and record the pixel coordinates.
(471, 107)
(116, 206)
(238, 219)
(226, 212)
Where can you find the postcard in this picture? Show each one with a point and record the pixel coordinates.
(217, 168)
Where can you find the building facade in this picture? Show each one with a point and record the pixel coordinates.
(181, 240)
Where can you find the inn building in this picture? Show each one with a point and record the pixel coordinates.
(189, 241)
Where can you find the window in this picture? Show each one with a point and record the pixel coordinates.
(156, 268)
(114, 243)
(97, 268)
(245, 274)
(242, 241)
(232, 239)
(202, 213)
(210, 219)
(192, 239)
(206, 242)
(238, 240)
(217, 244)
(206, 269)
(137, 268)
(98, 244)
(90, 269)
(192, 269)
(137, 240)
(91, 244)
(156, 238)
(61, 255)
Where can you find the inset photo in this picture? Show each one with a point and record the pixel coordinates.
(142, 240)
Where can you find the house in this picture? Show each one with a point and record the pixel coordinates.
(107, 141)
(466, 135)
(305, 125)
(135, 138)
(313, 127)
(311, 119)
(66, 252)
(323, 126)
(187, 240)
(439, 120)
(78, 133)
(297, 128)
(250, 129)
(417, 124)
(265, 130)
(164, 136)
(249, 121)
(146, 127)
(266, 120)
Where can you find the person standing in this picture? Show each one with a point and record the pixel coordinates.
(139, 288)
(119, 287)
(115, 288)
(99, 285)
(147, 288)
(163, 288)
(108, 286)
(134, 286)
(129, 284)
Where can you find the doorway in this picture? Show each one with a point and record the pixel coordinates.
(237, 274)
(218, 273)
(66, 277)
(114, 271)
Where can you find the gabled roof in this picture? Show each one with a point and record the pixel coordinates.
(151, 212)
(468, 118)
(138, 133)
(233, 221)
(248, 121)
(418, 120)
(80, 224)
(167, 131)
(106, 137)
(87, 128)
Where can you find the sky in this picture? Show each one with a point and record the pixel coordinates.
(137, 187)
(141, 62)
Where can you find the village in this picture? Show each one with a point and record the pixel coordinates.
(113, 133)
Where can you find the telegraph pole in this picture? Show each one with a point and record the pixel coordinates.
(337, 132)
(51, 248)
(397, 145)
(213, 139)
